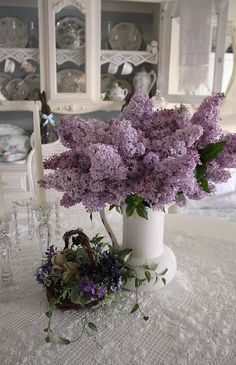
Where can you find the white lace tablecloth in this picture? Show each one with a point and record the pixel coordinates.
(192, 320)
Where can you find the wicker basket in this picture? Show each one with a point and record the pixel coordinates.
(78, 238)
(67, 304)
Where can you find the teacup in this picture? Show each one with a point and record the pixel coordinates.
(127, 69)
(28, 66)
(9, 66)
(112, 68)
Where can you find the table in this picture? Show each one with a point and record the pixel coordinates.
(192, 320)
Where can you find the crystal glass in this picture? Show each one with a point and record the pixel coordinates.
(16, 228)
(58, 230)
(43, 227)
(5, 252)
(30, 220)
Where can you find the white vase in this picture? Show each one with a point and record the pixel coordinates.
(145, 237)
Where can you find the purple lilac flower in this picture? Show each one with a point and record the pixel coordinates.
(208, 117)
(106, 163)
(150, 153)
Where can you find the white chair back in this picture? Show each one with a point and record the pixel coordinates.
(48, 150)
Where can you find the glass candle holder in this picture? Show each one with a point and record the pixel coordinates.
(5, 252)
(30, 220)
(58, 230)
(43, 227)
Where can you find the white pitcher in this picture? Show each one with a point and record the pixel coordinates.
(145, 238)
(143, 81)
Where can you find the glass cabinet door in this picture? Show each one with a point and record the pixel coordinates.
(19, 51)
(192, 52)
(129, 49)
(74, 49)
(70, 50)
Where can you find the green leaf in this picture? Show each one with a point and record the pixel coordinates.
(148, 276)
(180, 195)
(92, 326)
(211, 151)
(146, 267)
(156, 279)
(117, 207)
(64, 294)
(163, 280)
(142, 211)
(52, 303)
(48, 339)
(125, 254)
(91, 216)
(74, 295)
(146, 318)
(164, 272)
(200, 171)
(204, 185)
(138, 282)
(81, 300)
(65, 341)
(135, 308)
(49, 314)
(133, 199)
(96, 240)
(130, 210)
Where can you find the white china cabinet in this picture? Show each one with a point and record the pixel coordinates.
(76, 50)
(84, 53)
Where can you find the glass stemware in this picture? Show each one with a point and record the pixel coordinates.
(30, 219)
(5, 252)
(43, 228)
(16, 228)
(57, 220)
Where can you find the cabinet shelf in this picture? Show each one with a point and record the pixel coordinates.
(135, 57)
(77, 56)
(63, 55)
(19, 54)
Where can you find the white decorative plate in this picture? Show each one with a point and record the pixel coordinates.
(106, 81)
(70, 33)
(125, 85)
(13, 33)
(33, 80)
(17, 89)
(71, 80)
(10, 129)
(4, 79)
(125, 36)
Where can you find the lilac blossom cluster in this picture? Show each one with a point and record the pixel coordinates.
(151, 153)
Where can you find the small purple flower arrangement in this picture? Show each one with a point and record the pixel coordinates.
(144, 158)
(88, 272)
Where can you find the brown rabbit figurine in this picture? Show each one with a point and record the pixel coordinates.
(47, 125)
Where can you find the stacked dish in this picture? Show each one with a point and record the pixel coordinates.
(14, 144)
